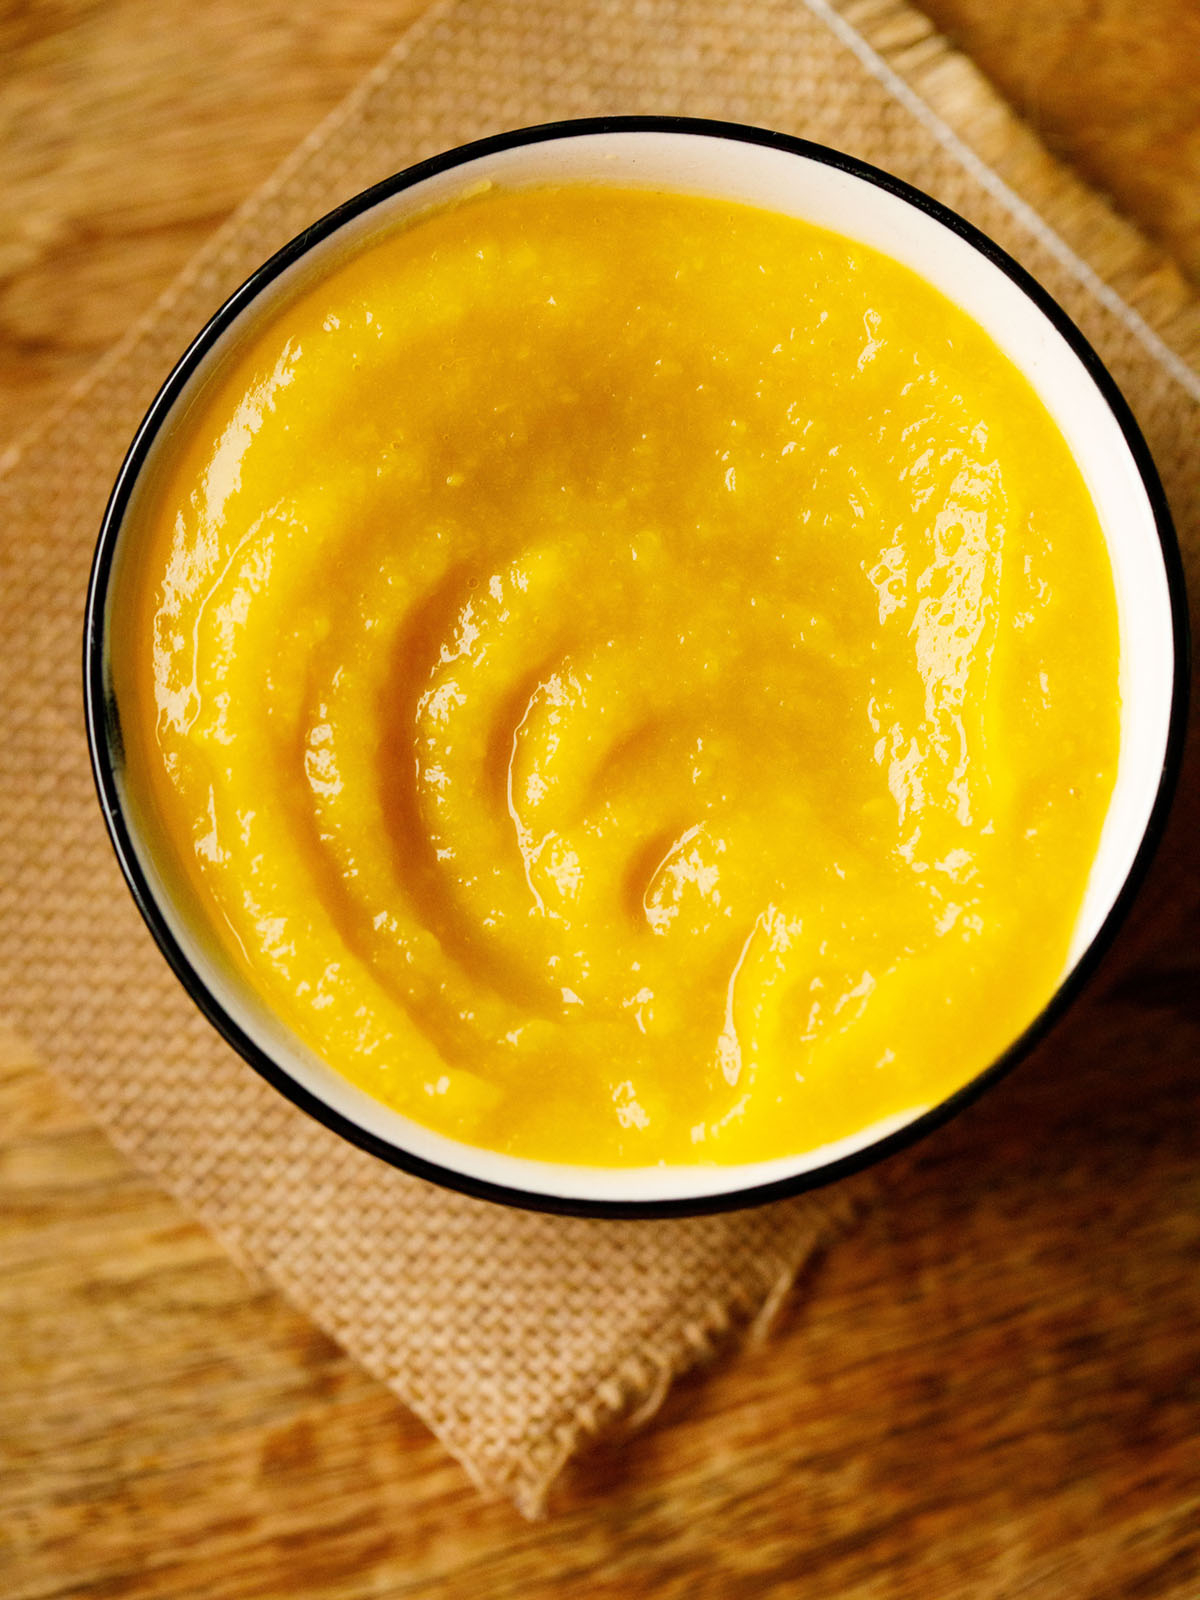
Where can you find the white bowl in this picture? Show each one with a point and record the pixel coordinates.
(833, 190)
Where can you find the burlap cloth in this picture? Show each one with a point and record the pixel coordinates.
(514, 1336)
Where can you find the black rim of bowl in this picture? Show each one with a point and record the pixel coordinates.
(104, 733)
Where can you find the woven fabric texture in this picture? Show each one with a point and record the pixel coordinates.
(513, 1335)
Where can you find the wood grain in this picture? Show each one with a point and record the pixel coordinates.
(995, 1391)
(129, 130)
(1113, 85)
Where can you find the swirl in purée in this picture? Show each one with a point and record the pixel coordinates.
(633, 677)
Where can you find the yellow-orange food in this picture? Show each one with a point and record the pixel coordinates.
(633, 677)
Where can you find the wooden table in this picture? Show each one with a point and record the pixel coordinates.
(995, 1391)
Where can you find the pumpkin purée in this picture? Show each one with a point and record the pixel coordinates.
(632, 678)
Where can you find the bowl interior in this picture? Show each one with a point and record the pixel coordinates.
(834, 196)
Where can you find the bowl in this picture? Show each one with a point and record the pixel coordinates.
(823, 186)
